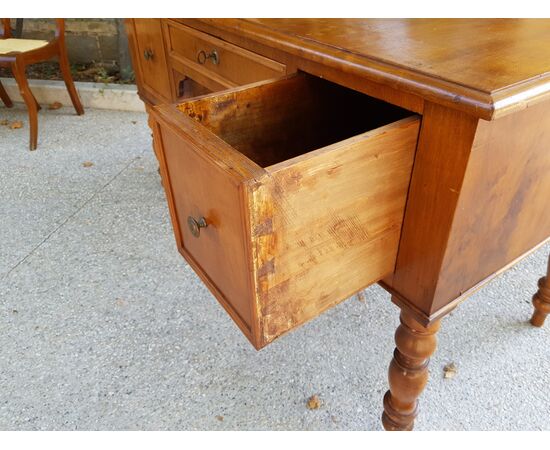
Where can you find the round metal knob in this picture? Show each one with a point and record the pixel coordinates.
(148, 54)
(196, 225)
(202, 57)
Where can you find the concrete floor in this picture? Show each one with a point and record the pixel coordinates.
(104, 326)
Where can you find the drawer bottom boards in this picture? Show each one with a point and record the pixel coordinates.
(286, 196)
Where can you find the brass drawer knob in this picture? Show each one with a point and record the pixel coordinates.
(148, 54)
(202, 57)
(196, 225)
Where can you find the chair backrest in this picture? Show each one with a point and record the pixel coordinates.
(6, 29)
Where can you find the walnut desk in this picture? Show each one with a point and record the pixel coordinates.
(304, 160)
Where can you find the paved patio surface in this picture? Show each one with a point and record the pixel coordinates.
(104, 326)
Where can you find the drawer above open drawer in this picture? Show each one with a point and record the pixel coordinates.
(214, 63)
(286, 196)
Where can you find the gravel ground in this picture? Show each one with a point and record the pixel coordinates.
(104, 327)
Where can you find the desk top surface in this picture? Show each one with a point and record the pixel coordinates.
(494, 63)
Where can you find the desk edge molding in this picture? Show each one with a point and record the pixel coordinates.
(485, 105)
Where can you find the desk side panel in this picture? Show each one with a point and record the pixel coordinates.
(504, 205)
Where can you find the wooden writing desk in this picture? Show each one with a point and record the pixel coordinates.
(413, 153)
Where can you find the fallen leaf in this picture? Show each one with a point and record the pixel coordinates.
(87, 164)
(4, 122)
(361, 296)
(220, 418)
(134, 121)
(313, 402)
(55, 105)
(449, 371)
(16, 124)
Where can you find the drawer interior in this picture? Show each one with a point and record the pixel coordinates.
(273, 121)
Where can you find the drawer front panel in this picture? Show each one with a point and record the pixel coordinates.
(151, 57)
(200, 189)
(223, 64)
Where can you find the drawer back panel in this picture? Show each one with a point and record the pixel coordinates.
(276, 121)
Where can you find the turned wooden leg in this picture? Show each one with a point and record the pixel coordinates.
(68, 79)
(541, 300)
(18, 71)
(408, 372)
(5, 97)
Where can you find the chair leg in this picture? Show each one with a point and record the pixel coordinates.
(38, 107)
(19, 74)
(66, 72)
(5, 97)
(7, 100)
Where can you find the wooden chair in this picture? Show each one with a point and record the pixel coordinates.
(16, 54)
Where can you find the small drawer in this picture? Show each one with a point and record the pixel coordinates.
(214, 63)
(286, 196)
(149, 60)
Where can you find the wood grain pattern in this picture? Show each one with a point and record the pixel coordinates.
(320, 211)
(490, 198)
(469, 52)
(235, 66)
(327, 224)
(211, 186)
(291, 239)
(201, 189)
(149, 60)
(408, 372)
(442, 156)
(503, 202)
(294, 63)
(486, 67)
(272, 122)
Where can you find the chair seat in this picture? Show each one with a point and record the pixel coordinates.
(20, 45)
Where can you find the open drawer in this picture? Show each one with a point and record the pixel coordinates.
(286, 196)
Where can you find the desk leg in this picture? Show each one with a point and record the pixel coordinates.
(541, 300)
(408, 372)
